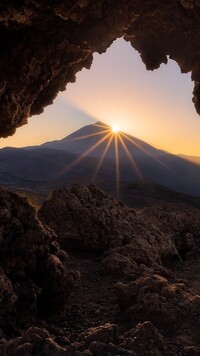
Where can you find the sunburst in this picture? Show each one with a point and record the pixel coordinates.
(115, 128)
(111, 134)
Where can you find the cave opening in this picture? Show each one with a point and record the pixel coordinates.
(154, 106)
(82, 272)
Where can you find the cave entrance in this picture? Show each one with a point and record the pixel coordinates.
(153, 106)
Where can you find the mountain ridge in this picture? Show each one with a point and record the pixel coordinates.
(49, 168)
(96, 129)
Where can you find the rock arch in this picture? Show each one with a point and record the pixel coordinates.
(45, 43)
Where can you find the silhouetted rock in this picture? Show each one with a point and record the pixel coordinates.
(86, 218)
(52, 41)
(33, 281)
(179, 221)
(172, 218)
(34, 341)
(171, 307)
(105, 333)
(137, 297)
(144, 339)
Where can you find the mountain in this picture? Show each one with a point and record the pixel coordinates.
(194, 159)
(153, 164)
(25, 168)
(82, 140)
(89, 155)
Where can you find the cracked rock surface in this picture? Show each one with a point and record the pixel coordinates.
(33, 280)
(136, 293)
(45, 43)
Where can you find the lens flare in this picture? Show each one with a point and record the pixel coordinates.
(111, 136)
(115, 128)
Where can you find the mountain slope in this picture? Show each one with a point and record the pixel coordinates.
(147, 194)
(194, 159)
(27, 168)
(83, 139)
(89, 155)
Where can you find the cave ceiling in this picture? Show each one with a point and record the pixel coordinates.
(45, 43)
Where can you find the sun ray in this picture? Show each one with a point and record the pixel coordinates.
(89, 135)
(130, 158)
(145, 151)
(103, 157)
(101, 125)
(115, 128)
(92, 148)
(117, 164)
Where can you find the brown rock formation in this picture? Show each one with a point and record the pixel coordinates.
(86, 218)
(179, 221)
(104, 340)
(159, 305)
(45, 43)
(34, 341)
(171, 307)
(127, 301)
(32, 278)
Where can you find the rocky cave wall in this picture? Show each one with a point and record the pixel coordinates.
(45, 43)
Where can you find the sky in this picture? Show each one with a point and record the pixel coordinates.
(154, 106)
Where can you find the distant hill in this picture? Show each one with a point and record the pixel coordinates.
(146, 194)
(89, 156)
(194, 159)
(40, 167)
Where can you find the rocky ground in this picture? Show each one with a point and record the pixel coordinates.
(123, 282)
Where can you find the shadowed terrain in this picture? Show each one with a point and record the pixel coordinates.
(137, 289)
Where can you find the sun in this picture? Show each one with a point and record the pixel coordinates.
(115, 128)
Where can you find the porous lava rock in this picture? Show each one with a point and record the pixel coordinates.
(45, 43)
(178, 220)
(158, 305)
(173, 218)
(33, 281)
(103, 340)
(127, 302)
(34, 341)
(107, 340)
(170, 306)
(86, 218)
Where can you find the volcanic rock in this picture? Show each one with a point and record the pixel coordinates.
(88, 219)
(171, 307)
(180, 221)
(127, 302)
(144, 339)
(45, 43)
(173, 218)
(34, 341)
(33, 281)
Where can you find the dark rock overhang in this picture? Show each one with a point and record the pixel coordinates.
(45, 43)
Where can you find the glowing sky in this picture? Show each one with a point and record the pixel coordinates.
(153, 106)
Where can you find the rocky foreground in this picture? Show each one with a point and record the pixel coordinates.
(89, 276)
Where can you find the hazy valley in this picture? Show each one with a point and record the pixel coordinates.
(85, 157)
